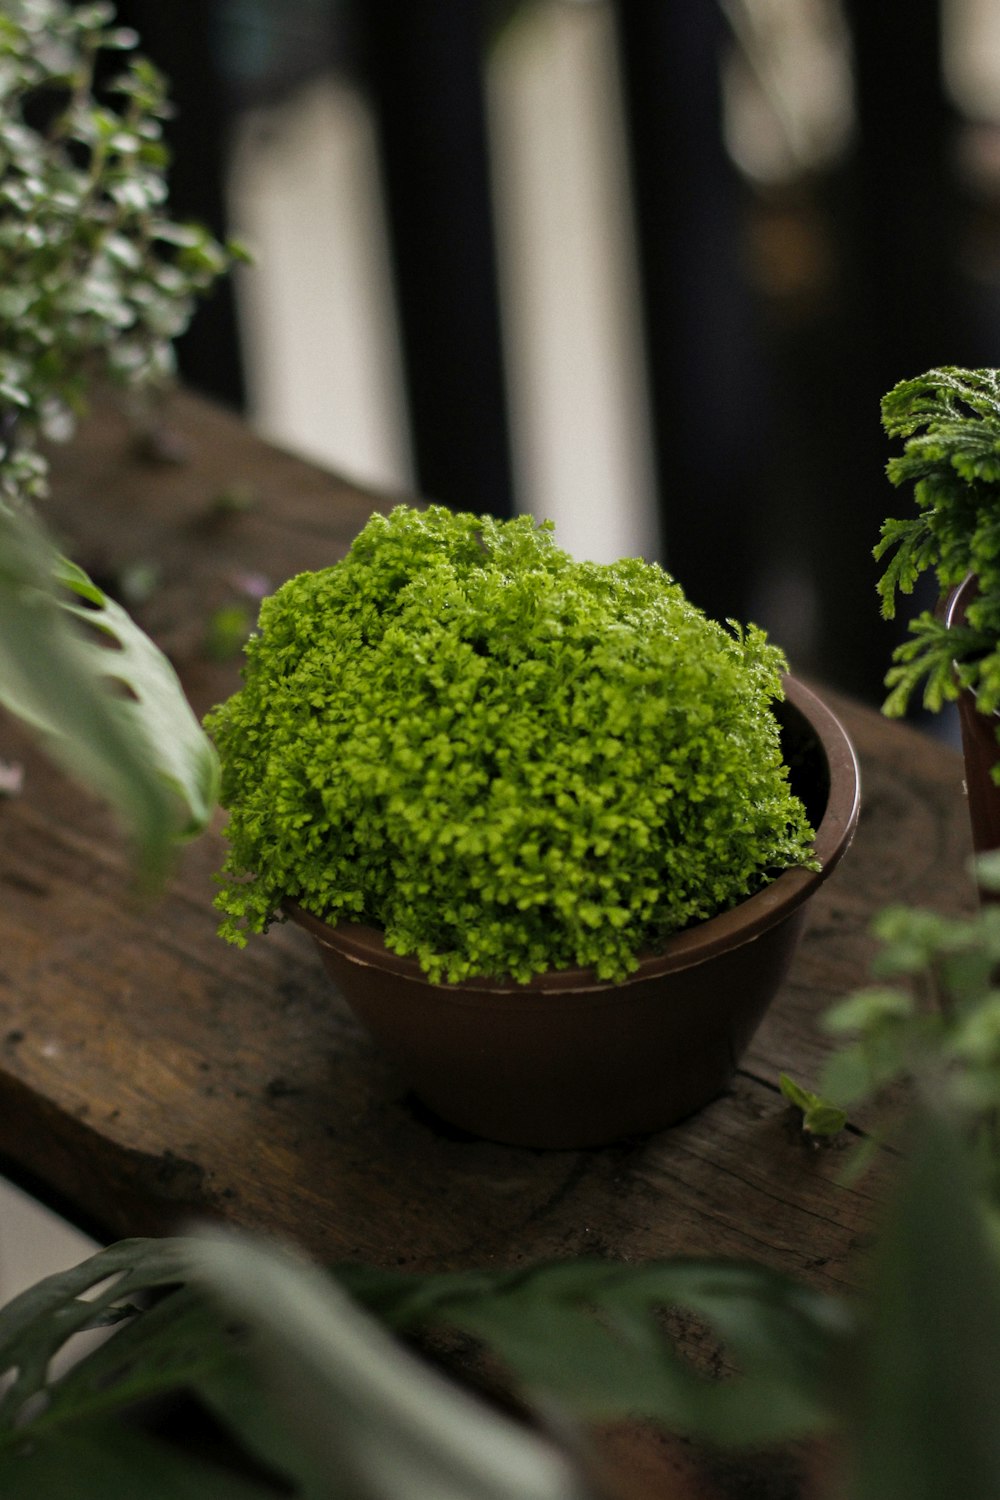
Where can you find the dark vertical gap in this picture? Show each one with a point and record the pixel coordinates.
(423, 63)
(708, 392)
(209, 354)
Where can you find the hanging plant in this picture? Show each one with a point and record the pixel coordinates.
(96, 278)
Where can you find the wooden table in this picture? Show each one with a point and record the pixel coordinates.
(150, 1073)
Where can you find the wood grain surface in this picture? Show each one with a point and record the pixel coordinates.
(151, 1074)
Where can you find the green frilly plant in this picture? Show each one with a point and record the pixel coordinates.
(507, 760)
(950, 421)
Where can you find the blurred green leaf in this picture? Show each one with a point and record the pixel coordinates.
(113, 715)
(323, 1403)
(83, 1432)
(107, 1461)
(39, 1323)
(317, 1400)
(227, 632)
(363, 1409)
(310, 1388)
(925, 1423)
(591, 1336)
(986, 870)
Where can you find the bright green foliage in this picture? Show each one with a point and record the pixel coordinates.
(950, 419)
(94, 275)
(508, 760)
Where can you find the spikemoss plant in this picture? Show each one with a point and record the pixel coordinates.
(950, 421)
(507, 760)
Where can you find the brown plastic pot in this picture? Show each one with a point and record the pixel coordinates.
(566, 1060)
(980, 748)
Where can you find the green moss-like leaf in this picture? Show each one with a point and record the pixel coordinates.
(507, 760)
(113, 714)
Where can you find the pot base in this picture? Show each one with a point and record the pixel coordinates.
(572, 1068)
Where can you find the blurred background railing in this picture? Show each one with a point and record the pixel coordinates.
(645, 266)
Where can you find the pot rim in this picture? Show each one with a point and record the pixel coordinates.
(743, 923)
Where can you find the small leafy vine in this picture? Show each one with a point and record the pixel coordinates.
(96, 279)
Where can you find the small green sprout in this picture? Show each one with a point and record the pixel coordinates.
(819, 1116)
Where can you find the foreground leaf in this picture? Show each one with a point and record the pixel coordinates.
(925, 1421)
(106, 1461)
(99, 1427)
(311, 1390)
(42, 1321)
(314, 1400)
(366, 1413)
(114, 716)
(591, 1336)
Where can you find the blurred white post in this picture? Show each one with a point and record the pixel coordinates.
(569, 282)
(317, 310)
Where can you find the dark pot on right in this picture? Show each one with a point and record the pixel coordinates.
(980, 747)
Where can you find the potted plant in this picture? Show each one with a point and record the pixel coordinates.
(950, 420)
(536, 815)
(96, 278)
